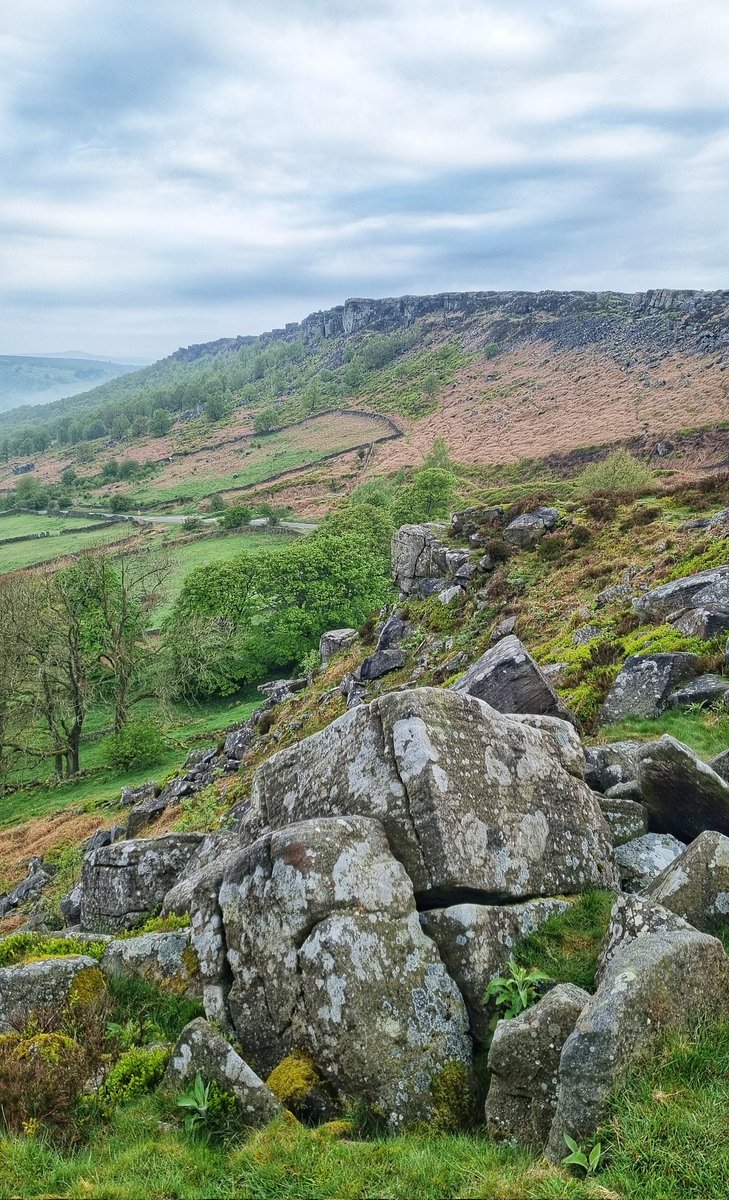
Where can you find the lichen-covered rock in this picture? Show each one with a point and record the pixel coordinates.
(524, 1064)
(704, 623)
(418, 553)
(642, 860)
(645, 683)
(529, 528)
(334, 641)
(213, 849)
(667, 980)
(127, 880)
(200, 1050)
(470, 799)
(706, 589)
(628, 819)
(611, 764)
(29, 987)
(166, 960)
(705, 689)
(683, 795)
(475, 942)
(328, 956)
(696, 883)
(507, 678)
(632, 917)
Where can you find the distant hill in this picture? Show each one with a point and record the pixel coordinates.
(40, 380)
(81, 355)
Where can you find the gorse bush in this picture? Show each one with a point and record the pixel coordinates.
(619, 472)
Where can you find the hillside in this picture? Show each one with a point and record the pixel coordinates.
(25, 380)
(503, 377)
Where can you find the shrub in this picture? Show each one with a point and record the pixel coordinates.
(138, 1070)
(192, 524)
(619, 472)
(19, 947)
(235, 517)
(138, 744)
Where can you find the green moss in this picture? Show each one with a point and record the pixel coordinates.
(716, 554)
(566, 946)
(168, 924)
(89, 985)
(453, 1093)
(139, 1070)
(294, 1079)
(49, 1048)
(190, 961)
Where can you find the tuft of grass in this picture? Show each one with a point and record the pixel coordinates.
(134, 1000)
(706, 731)
(567, 945)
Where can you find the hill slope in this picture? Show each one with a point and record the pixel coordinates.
(40, 380)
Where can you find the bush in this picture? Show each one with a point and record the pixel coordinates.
(138, 744)
(619, 472)
(192, 524)
(137, 1071)
(235, 517)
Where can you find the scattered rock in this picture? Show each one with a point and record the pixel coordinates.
(26, 988)
(135, 795)
(71, 905)
(720, 764)
(706, 689)
(381, 663)
(524, 1064)
(449, 594)
(393, 632)
(201, 1050)
(471, 520)
(683, 795)
(127, 880)
(39, 874)
(504, 629)
(632, 917)
(586, 634)
(616, 762)
(105, 837)
(334, 641)
(508, 679)
(418, 553)
(525, 531)
(618, 591)
(645, 683)
(696, 884)
(703, 623)
(642, 860)
(627, 819)
(707, 589)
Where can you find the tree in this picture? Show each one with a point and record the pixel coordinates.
(266, 420)
(429, 496)
(235, 517)
(160, 423)
(215, 408)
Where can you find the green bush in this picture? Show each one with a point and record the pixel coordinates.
(138, 1070)
(138, 744)
(619, 472)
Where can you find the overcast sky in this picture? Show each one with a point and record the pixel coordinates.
(174, 171)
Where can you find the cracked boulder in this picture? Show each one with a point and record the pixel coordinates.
(683, 795)
(475, 942)
(507, 678)
(645, 683)
(695, 885)
(524, 1064)
(475, 804)
(166, 960)
(328, 957)
(633, 917)
(201, 1050)
(127, 880)
(628, 819)
(668, 980)
(705, 590)
(529, 528)
(334, 641)
(418, 553)
(612, 764)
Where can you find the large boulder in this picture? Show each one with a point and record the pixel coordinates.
(705, 689)
(127, 880)
(328, 956)
(683, 795)
(668, 980)
(524, 1064)
(334, 641)
(632, 917)
(418, 553)
(201, 1050)
(645, 683)
(696, 884)
(628, 819)
(641, 861)
(704, 622)
(472, 801)
(707, 589)
(50, 982)
(381, 663)
(529, 528)
(166, 960)
(475, 942)
(508, 679)
(213, 849)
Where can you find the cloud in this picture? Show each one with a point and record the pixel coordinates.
(175, 172)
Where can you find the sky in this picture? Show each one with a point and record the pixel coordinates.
(174, 171)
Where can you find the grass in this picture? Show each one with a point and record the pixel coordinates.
(29, 554)
(21, 524)
(567, 945)
(705, 731)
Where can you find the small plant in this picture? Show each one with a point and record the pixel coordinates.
(579, 1158)
(196, 1103)
(515, 992)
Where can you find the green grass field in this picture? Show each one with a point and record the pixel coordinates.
(19, 524)
(31, 554)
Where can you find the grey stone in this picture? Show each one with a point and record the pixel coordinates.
(104, 837)
(200, 1050)
(704, 622)
(166, 960)
(632, 917)
(703, 690)
(524, 1064)
(666, 981)
(586, 634)
(629, 790)
(627, 819)
(720, 764)
(146, 813)
(39, 874)
(645, 683)
(508, 679)
(706, 589)
(504, 629)
(418, 553)
(616, 762)
(334, 641)
(449, 594)
(71, 905)
(381, 663)
(695, 885)
(470, 798)
(393, 632)
(29, 987)
(213, 849)
(130, 796)
(683, 795)
(470, 520)
(642, 860)
(525, 531)
(126, 880)
(239, 741)
(618, 591)
(475, 941)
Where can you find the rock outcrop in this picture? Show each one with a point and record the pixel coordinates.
(166, 960)
(508, 679)
(705, 590)
(633, 917)
(125, 881)
(528, 529)
(200, 1050)
(31, 987)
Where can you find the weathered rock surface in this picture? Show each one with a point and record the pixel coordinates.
(393, 632)
(683, 795)
(707, 589)
(614, 763)
(524, 1065)
(471, 520)
(381, 663)
(418, 553)
(696, 884)
(628, 819)
(508, 679)
(704, 622)
(705, 689)
(200, 1049)
(471, 800)
(39, 874)
(642, 860)
(213, 849)
(334, 641)
(645, 683)
(328, 956)
(525, 531)
(667, 980)
(165, 960)
(26, 988)
(475, 943)
(126, 880)
(633, 917)
(503, 629)
(720, 764)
